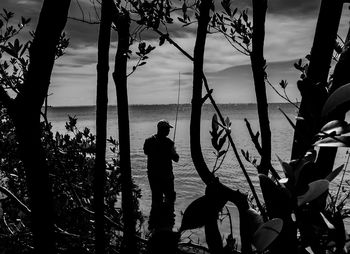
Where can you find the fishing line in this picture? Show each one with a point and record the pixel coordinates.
(177, 108)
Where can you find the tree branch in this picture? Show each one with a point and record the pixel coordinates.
(18, 202)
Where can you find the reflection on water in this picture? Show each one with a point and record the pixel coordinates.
(188, 185)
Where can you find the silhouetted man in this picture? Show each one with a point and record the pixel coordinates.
(160, 151)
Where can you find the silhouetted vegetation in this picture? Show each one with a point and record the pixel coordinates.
(59, 194)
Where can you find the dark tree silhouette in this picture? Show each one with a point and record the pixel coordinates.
(258, 68)
(101, 122)
(25, 110)
(217, 193)
(120, 79)
(313, 89)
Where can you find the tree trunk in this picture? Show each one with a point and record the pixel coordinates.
(195, 125)
(101, 123)
(26, 115)
(120, 79)
(325, 160)
(258, 67)
(313, 87)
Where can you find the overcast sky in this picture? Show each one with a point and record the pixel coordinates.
(290, 26)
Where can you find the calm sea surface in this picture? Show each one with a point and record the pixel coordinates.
(143, 120)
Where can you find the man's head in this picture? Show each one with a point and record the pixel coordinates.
(163, 128)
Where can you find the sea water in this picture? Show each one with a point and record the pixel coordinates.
(188, 185)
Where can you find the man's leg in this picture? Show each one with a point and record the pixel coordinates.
(157, 199)
(170, 197)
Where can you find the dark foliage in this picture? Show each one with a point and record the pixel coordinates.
(70, 158)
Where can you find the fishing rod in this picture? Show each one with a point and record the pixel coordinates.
(177, 108)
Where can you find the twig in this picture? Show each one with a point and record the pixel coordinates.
(223, 158)
(254, 138)
(251, 186)
(342, 179)
(285, 96)
(85, 21)
(288, 119)
(230, 220)
(7, 226)
(21, 205)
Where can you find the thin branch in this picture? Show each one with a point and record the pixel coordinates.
(7, 225)
(341, 181)
(85, 21)
(19, 203)
(243, 50)
(285, 96)
(223, 158)
(288, 119)
(251, 186)
(81, 9)
(171, 41)
(6, 99)
(254, 138)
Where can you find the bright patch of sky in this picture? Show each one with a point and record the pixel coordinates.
(290, 28)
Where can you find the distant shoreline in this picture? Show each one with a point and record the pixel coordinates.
(166, 105)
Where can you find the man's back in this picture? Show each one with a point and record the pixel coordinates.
(160, 154)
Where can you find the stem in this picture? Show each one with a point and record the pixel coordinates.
(120, 79)
(251, 186)
(101, 124)
(342, 179)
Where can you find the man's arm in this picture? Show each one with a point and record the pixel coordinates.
(174, 155)
(146, 147)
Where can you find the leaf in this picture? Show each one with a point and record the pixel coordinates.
(214, 123)
(197, 214)
(316, 188)
(9, 51)
(334, 173)
(220, 132)
(340, 141)
(227, 122)
(184, 7)
(221, 153)
(267, 233)
(336, 127)
(339, 100)
(287, 169)
(161, 40)
(222, 142)
(245, 16)
(283, 84)
(181, 20)
(214, 143)
(24, 49)
(226, 5)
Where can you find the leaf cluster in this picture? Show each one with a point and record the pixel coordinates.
(70, 158)
(235, 26)
(219, 136)
(153, 13)
(143, 51)
(14, 54)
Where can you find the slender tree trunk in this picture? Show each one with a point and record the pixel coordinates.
(326, 158)
(26, 114)
(101, 123)
(258, 67)
(120, 79)
(195, 125)
(313, 87)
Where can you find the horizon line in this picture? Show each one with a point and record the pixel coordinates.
(161, 104)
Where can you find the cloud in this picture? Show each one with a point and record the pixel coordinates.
(290, 28)
(285, 7)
